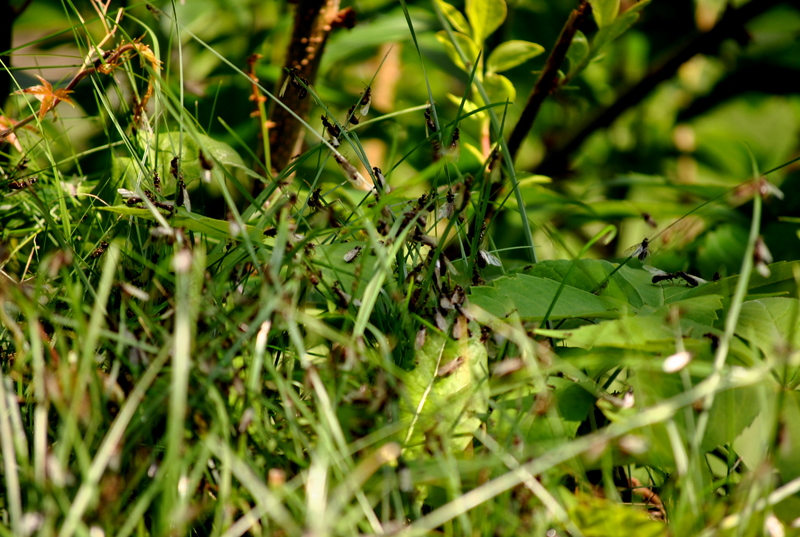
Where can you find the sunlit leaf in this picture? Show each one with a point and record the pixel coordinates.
(578, 50)
(604, 11)
(446, 392)
(48, 96)
(454, 17)
(465, 43)
(614, 28)
(485, 16)
(530, 297)
(499, 88)
(510, 54)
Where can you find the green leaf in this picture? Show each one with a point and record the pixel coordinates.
(454, 17)
(469, 106)
(124, 171)
(446, 392)
(530, 297)
(788, 458)
(511, 54)
(211, 227)
(485, 16)
(597, 517)
(171, 144)
(617, 26)
(499, 88)
(578, 51)
(771, 324)
(352, 277)
(213, 150)
(629, 284)
(646, 333)
(733, 411)
(467, 45)
(604, 11)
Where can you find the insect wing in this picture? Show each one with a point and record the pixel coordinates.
(352, 254)
(490, 259)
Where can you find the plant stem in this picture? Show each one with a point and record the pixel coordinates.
(313, 21)
(730, 24)
(548, 79)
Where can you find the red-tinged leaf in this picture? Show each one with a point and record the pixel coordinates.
(47, 96)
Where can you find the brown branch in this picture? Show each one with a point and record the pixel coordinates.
(312, 25)
(730, 25)
(105, 66)
(548, 79)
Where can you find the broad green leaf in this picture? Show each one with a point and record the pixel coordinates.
(515, 416)
(454, 17)
(618, 26)
(788, 456)
(352, 277)
(125, 172)
(511, 54)
(645, 333)
(702, 309)
(599, 517)
(780, 280)
(772, 324)
(722, 249)
(530, 297)
(212, 227)
(467, 45)
(499, 88)
(578, 51)
(446, 392)
(733, 411)
(604, 11)
(169, 146)
(630, 284)
(485, 16)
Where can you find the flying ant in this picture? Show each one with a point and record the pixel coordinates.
(352, 174)
(380, 179)
(100, 250)
(649, 220)
(762, 257)
(22, 183)
(314, 201)
(352, 117)
(429, 120)
(693, 281)
(661, 276)
(350, 256)
(333, 131)
(485, 258)
(182, 196)
(641, 250)
(366, 101)
(297, 82)
(448, 207)
(666, 276)
(456, 136)
(174, 167)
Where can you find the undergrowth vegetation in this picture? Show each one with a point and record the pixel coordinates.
(405, 268)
